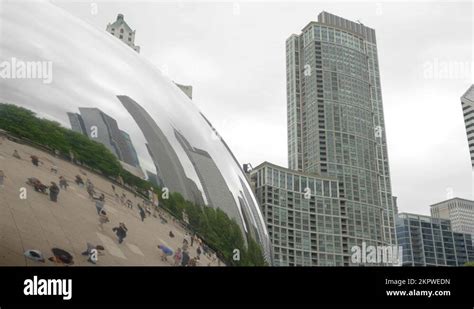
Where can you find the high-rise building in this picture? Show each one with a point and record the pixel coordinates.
(459, 211)
(467, 103)
(428, 241)
(336, 124)
(123, 32)
(304, 217)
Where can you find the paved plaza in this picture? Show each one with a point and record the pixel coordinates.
(40, 224)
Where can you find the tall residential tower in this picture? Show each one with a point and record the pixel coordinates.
(336, 124)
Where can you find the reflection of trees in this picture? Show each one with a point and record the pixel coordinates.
(215, 227)
(219, 231)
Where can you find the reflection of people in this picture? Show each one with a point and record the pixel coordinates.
(79, 181)
(90, 188)
(165, 252)
(63, 183)
(16, 154)
(121, 232)
(53, 192)
(99, 203)
(2, 178)
(34, 160)
(103, 219)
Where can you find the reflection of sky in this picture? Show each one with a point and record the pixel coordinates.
(90, 68)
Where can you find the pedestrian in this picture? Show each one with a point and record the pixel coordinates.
(63, 183)
(184, 258)
(165, 252)
(177, 257)
(79, 181)
(16, 154)
(103, 219)
(192, 262)
(198, 251)
(54, 169)
(113, 188)
(171, 234)
(91, 251)
(99, 203)
(90, 188)
(192, 241)
(121, 232)
(2, 178)
(185, 245)
(53, 192)
(34, 160)
(142, 212)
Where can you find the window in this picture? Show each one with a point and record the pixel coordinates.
(121, 36)
(121, 30)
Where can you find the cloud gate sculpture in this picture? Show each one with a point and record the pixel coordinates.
(87, 83)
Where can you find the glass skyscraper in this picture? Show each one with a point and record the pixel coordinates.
(336, 124)
(428, 241)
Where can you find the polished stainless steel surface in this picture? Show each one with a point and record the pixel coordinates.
(140, 114)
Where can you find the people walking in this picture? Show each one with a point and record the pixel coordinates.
(2, 178)
(165, 252)
(198, 252)
(142, 212)
(16, 154)
(177, 257)
(63, 184)
(121, 232)
(34, 160)
(90, 188)
(103, 218)
(184, 258)
(99, 203)
(79, 181)
(53, 192)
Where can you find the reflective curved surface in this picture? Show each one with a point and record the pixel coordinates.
(101, 86)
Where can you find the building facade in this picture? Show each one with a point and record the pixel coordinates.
(428, 241)
(467, 103)
(336, 124)
(459, 211)
(121, 30)
(304, 217)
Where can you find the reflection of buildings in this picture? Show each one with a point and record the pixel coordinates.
(459, 211)
(153, 178)
(215, 187)
(123, 32)
(169, 168)
(102, 128)
(428, 241)
(188, 90)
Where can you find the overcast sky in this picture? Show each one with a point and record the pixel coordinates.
(233, 54)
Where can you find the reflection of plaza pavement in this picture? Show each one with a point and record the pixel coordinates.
(38, 223)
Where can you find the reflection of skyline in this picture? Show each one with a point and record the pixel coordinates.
(104, 129)
(169, 169)
(214, 185)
